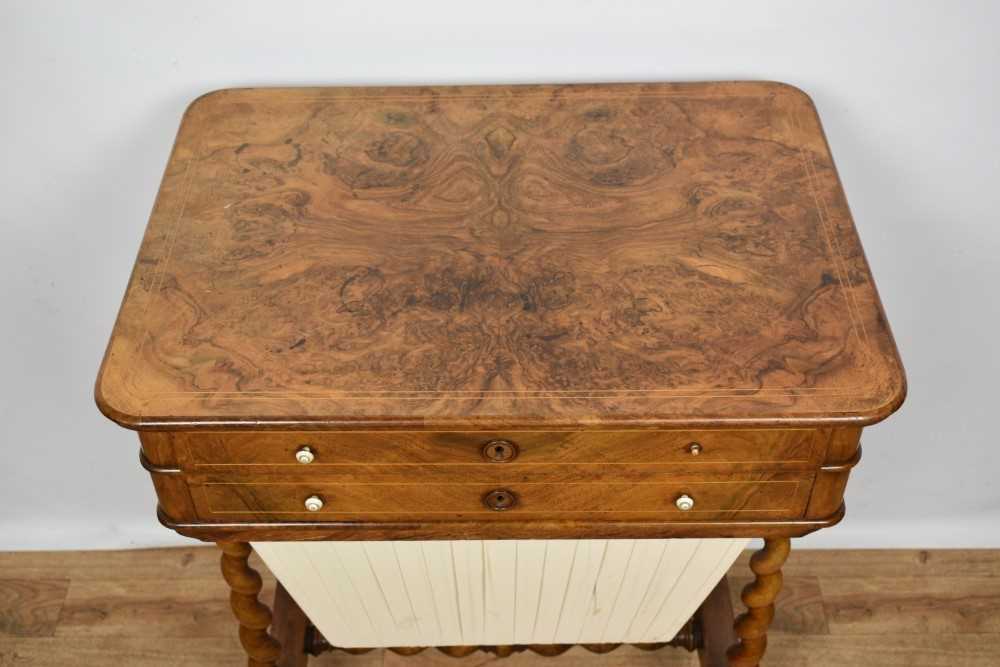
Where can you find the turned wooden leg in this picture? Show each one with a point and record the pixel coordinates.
(758, 596)
(715, 621)
(289, 626)
(254, 617)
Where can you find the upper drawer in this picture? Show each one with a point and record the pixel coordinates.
(795, 447)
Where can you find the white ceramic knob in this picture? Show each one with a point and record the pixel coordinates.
(685, 503)
(305, 455)
(314, 503)
(694, 449)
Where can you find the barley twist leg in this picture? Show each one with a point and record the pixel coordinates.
(759, 595)
(254, 616)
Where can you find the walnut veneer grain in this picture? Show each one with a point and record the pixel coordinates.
(641, 255)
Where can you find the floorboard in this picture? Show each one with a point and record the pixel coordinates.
(169, 607)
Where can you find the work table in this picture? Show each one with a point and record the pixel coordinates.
(501, 312)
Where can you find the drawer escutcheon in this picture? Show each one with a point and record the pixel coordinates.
(500, 500)
(500, 451)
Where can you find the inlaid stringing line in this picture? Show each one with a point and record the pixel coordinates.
(595, 94)
(843, 275)
(822, 208)
(808, 165)
(153, 292)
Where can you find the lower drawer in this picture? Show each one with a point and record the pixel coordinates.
(762, 496)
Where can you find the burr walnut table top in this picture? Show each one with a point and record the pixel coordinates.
(657, 255)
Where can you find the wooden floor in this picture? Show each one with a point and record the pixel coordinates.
(169, 607)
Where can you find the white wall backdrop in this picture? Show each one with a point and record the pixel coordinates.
(92, 94)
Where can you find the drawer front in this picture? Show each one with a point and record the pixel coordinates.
(788, 448)
(763, 496)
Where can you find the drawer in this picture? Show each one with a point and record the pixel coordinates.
(761, 496)
(787, 448)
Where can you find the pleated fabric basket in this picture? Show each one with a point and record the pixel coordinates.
(499, 592)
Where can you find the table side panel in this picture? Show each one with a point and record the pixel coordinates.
(159, 456)
(843, 452)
